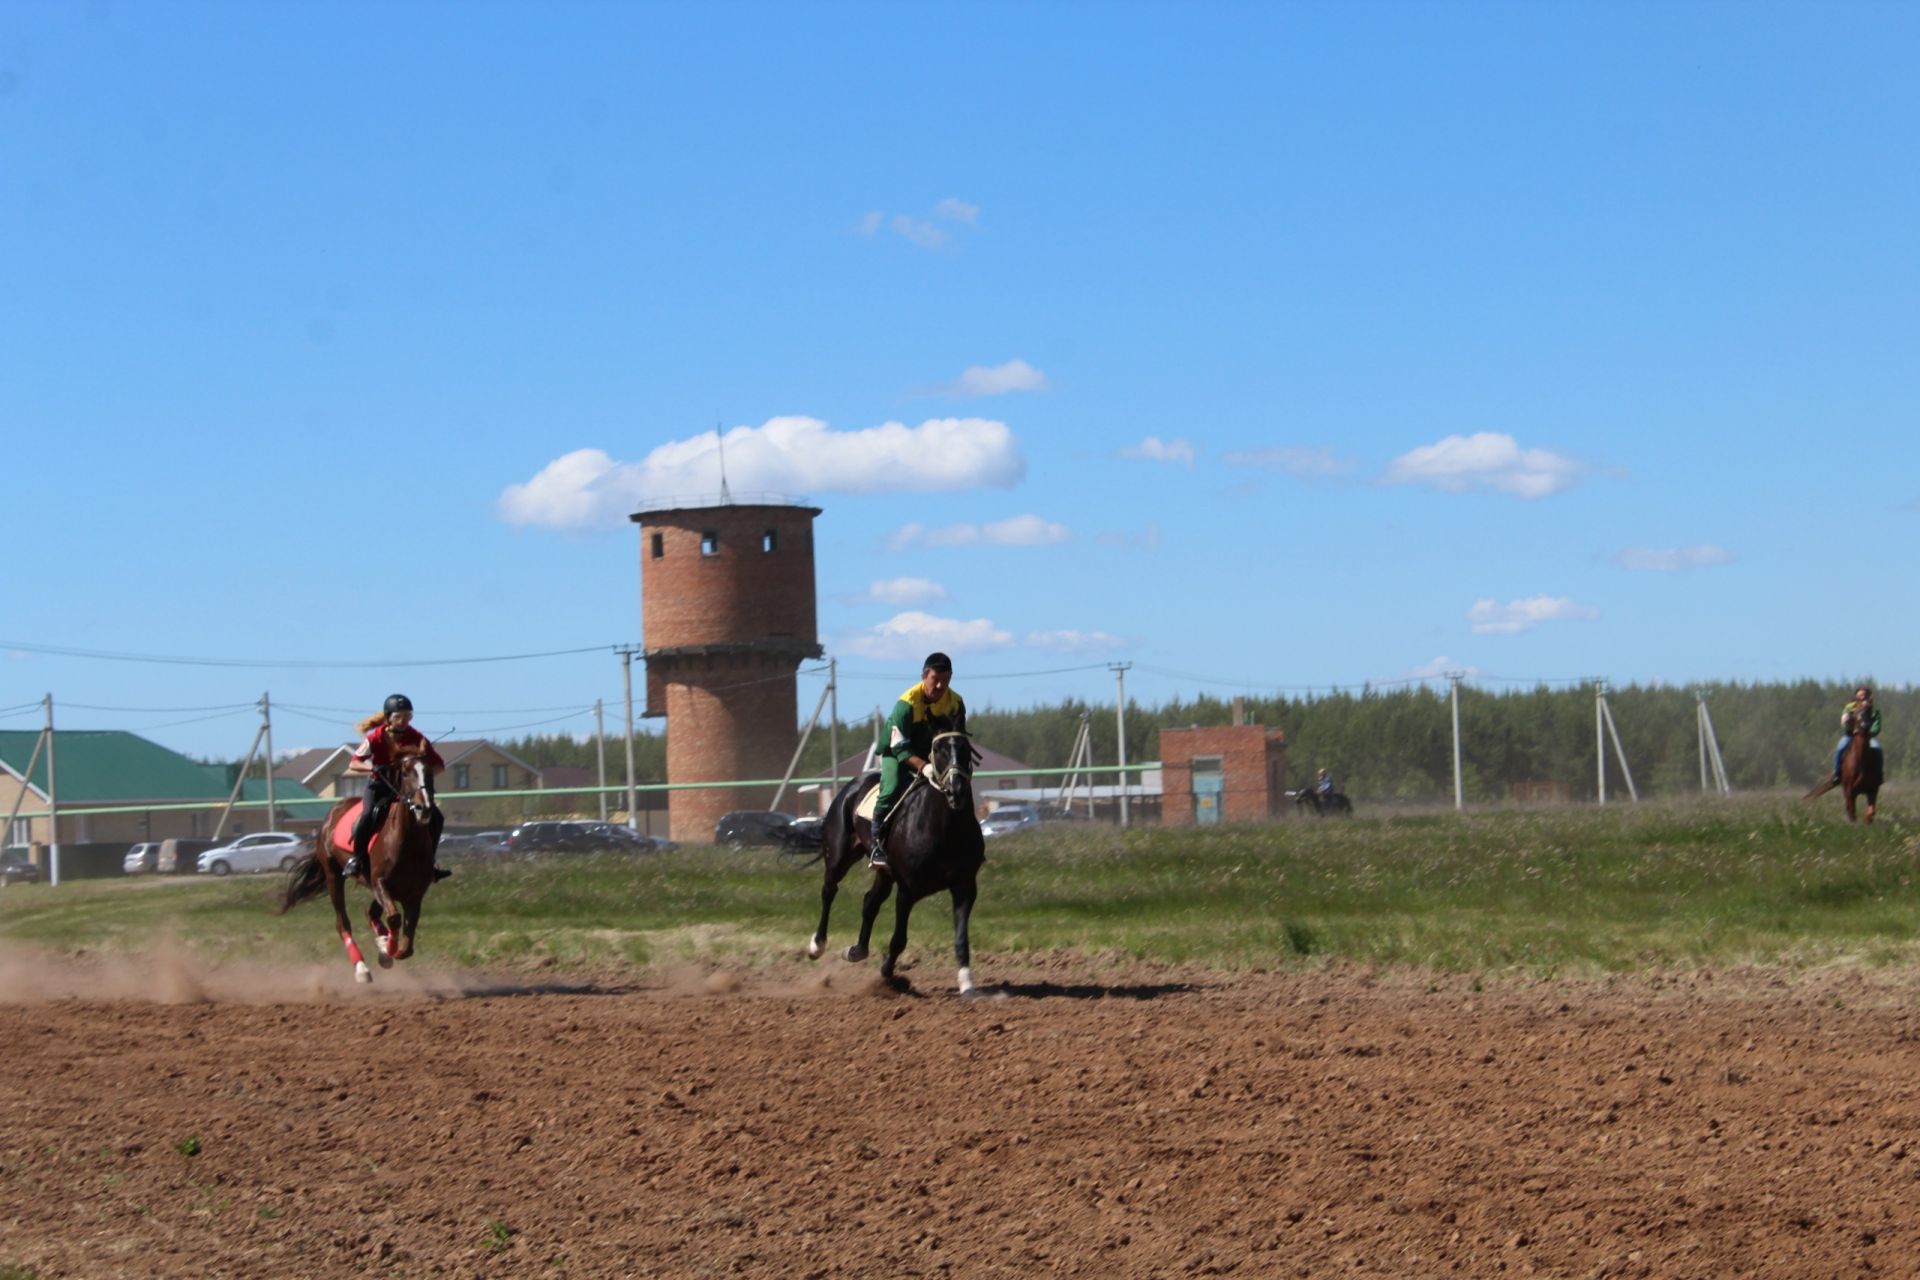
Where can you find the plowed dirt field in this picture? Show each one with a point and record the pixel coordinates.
(1076, 1121)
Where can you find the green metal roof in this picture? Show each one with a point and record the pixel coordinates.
(105, 766)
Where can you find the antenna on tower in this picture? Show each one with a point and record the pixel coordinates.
(726, 498)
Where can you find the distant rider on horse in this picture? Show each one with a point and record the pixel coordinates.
(1860, 711)
(1323, 787)
(389, 735)
(910, 731)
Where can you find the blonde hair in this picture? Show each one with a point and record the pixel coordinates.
(378, 717)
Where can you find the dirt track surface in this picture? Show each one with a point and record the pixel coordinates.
(1075, 1122)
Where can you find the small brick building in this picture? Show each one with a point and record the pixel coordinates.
(727, 615)
(1227, 773)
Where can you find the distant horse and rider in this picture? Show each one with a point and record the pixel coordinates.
(1323, 798)
(1858, 762)
(933, 845)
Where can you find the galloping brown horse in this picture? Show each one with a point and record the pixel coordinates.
(1860, 771)
(399, 866)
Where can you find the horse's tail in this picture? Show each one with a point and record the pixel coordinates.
(308, 879)
(1826, 785)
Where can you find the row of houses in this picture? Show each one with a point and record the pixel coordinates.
(156, 794)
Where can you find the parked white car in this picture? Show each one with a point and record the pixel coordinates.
(267, 851)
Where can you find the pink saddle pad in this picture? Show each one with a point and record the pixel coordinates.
(343, 829)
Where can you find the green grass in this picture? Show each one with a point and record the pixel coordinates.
(1563, 891)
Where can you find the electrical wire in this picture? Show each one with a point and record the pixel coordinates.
(302, 664)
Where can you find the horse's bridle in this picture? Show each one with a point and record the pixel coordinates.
(419, 801)
(945, 780)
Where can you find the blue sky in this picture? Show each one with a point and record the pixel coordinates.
(1264, 346)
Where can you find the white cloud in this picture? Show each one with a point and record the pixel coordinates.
(912, 634)
(995, 380)
(1154, 449)
(922, 231)
(1070, 641)
(1016, 531)
(957, 211)
(1485, 460)
(918, 231)
(1441, 666)
(1671, 559)
(588, 489)
(1490, 618)
(904, 591)
(1299, 461)
(1148, 539)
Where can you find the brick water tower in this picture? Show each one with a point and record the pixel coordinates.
(727, 615)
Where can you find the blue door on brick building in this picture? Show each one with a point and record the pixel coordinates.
(1209, 786)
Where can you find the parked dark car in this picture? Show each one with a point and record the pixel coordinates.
(533, 838)
(481, 846)
(759, 828)
(15, 869)
(626, 839)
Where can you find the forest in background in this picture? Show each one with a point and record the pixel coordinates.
(1397, 744)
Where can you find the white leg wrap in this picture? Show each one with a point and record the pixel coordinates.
(361, 973)
(966, 981)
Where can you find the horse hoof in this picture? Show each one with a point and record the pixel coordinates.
(813, 948)
(361, 973)
(966, 982)
(856, 952)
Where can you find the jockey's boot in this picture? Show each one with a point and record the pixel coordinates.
(877, 852)
(440, 873)
(357, 864)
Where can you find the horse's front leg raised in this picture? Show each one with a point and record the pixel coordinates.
(869, 908)
(963, 896)
(337, 890)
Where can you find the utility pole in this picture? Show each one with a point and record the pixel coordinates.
(1710, 748)
(1459, 788)
(1604, 725)
(1120, 670)
(53, 805)
(266, 727)
(833, 725)
(626, 680)
(600, 751)
(1600, 733)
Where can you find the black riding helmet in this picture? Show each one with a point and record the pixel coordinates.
(396, 702)
(938, 662)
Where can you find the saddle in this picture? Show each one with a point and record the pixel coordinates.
(343, 829)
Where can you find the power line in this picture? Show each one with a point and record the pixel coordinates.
(302, 664)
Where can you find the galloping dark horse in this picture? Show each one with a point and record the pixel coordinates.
(1320, 807)
(399, 866)
(933, 843)
(1860, 770)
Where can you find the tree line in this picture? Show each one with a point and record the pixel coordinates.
(1398, 743)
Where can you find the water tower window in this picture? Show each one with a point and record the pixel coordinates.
(709, 543)
(659, 546)
(770, 540)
